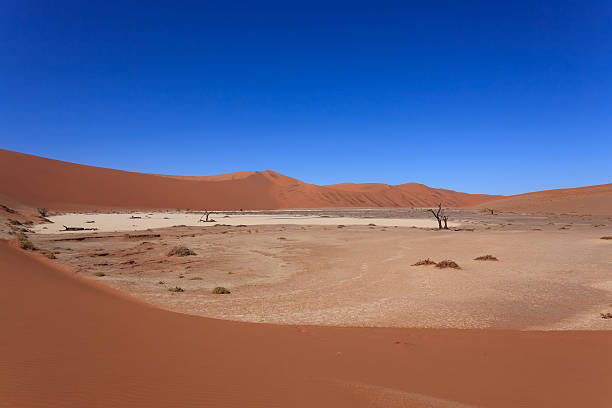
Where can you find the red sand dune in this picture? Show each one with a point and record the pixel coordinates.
(35, 181)
(67, 342)
(593, 200)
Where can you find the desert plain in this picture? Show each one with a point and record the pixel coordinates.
(338, 294)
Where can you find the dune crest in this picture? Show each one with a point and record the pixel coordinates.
(590, 200)
(74, 187)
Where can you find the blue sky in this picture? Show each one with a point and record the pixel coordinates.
(474, 96)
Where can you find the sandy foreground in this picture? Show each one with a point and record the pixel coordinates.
(338, 268)
(70, 342)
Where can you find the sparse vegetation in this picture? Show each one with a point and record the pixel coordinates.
(606, 238)
(24, 242)
(176, 289)
(43, 212)
(47, 253)
(161, 283)
(486, 258)
(99, 274)
(220, 290)
(7, 209)
(181, 251)
(195, 278)
(424, 262)
(606, 315)
(447, 263)
(14, 222)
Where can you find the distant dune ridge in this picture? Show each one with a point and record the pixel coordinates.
(591, 200)
(36, 181)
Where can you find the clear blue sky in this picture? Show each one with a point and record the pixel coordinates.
(476, 96)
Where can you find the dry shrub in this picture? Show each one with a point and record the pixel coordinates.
(606, 237)
(181, 251)
(424, 262)
(24, 242)
(99, 274)
(606, 315)
(176, 289)
(447, 263)
(47, 253)
(7, 209)
(486, 258)
(220, 290)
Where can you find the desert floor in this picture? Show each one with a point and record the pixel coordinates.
(553, 271)
(72, 342)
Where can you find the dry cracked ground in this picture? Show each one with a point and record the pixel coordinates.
(552, 272)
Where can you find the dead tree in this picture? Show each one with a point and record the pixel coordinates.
(445, 218)
(43, 212)
(490, 210)
(207, 214)
(77, 229)
(437, 215)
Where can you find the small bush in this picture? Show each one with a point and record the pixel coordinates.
(7, 209)
(99, 274)
(195, 278)
(24, 242)
(176, 289)
(181, 251)
(486, 258)
(424, 262)
(606, 315)
(447, 263)
(43, 212)
(47, 253)
(220, 290)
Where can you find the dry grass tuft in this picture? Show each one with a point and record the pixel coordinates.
(486, 258)
(176, 289)
(447, 263)
(424, 262)
(7, 209)
(99, 274)
(47, 253)
(24, 242)
(220, 290)
(181, 251)
(606, 315)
